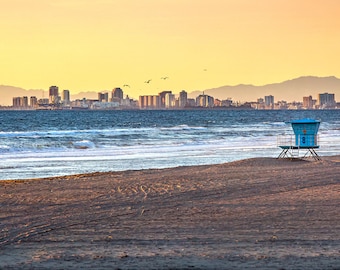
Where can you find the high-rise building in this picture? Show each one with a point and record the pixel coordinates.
(20, 102)
(183, 98)
(162, 98)
(326, 100)
(103, 97)
(25, 102)
(33, 101)
(54, 94)
(16, 102)
(117, 93)
(308, 102)
(269, 102)
(141, 102)
(149, 102)
(169, 100)
(205, 101)
(66, 97)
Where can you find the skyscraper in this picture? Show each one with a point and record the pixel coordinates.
(326, 100)
(308, 102)
(169, 100)
(54, 94)
(183, 98)
(66, 97)
(204, 101)
(17, 102)
(269, 101)
(25, 101)
(117, 93)
(103, 97)
(162, 98)
(33, 101)
(149, 102)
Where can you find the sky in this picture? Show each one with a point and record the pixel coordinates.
(87, 45)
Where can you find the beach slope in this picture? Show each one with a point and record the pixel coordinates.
(260, 213)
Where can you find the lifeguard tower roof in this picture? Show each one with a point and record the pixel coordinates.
(305, 121)
(305, 126)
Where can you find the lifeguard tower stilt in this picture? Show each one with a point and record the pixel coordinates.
(305, 140)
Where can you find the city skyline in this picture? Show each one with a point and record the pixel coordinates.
(293, 90)
(164, 100)
(192, 45)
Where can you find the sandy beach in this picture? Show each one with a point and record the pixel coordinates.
(261, 213)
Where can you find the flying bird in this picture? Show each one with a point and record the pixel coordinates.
(148, 81)
(164, 78)
(126, 85)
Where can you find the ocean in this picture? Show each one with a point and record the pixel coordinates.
(37, 144)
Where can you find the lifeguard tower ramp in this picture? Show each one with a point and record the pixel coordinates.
(304, 141)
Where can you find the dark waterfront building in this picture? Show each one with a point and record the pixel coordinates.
(117, 93)
(53, 94)
(326, 100)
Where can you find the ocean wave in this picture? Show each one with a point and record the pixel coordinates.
(5, 148)
(182, 127)
(84, 144)
(161, 139)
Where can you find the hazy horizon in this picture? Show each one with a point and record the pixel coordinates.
(291, 90)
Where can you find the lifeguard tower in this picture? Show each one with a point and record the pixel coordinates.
(305, 140)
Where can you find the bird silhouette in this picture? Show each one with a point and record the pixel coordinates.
(126, 85)
(164, 78)
(148, 81)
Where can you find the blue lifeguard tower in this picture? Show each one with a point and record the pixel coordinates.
(305, 139)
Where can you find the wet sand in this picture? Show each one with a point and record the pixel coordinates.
(261, 213)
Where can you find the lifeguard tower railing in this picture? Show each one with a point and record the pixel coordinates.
(292, 149)
(304, 140)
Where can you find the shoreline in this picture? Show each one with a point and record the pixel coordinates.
(254, 213)
(335, 158)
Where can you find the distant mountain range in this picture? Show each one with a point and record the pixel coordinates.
(291, 90)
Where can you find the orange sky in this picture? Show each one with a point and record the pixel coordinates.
(85, 45)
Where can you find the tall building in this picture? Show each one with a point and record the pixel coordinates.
(25, 102)
(117, 93)
(308, 102)
(269, 102)
(66, 97)
(141, 102)
(326, 100)
(33, 101)
(103, 97)
(149, 102)
(17, 102)
(205, 101)
(162, 98)
(183, 98)
(169, 100)
(20, 102)
(54, 94)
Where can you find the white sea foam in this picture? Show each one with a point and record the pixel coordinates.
(84, 144)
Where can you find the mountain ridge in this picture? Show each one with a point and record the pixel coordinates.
(289, 90)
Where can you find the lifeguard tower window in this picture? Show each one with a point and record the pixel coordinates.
(305, 139)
